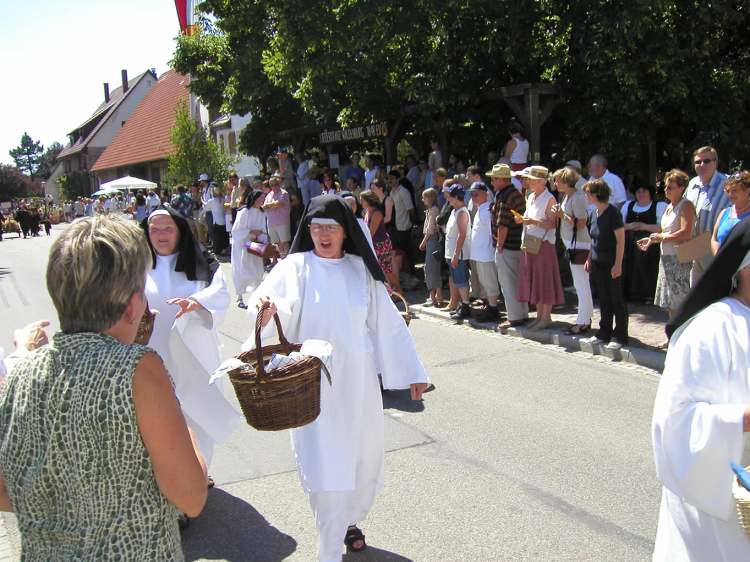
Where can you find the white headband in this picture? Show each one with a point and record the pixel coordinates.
(158, 212)
(323, 221)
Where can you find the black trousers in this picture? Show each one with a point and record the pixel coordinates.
(220, 238)
(611, 304)
(401, 239)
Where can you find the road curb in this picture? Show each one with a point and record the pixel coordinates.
(632, 354)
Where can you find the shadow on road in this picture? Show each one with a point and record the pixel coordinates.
(231, 529)
(374, 555)
(401, 400)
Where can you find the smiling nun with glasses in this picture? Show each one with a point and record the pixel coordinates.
(331, 287)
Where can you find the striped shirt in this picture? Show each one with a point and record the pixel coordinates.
(505, 200)
(708, 200)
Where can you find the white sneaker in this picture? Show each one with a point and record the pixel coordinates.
(614, 346)
(593, 340)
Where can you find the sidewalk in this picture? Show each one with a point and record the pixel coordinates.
(646, 329)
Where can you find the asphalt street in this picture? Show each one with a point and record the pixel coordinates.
(522, 452)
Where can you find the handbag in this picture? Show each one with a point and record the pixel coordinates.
(576, 256)
(532, 244)
(694, 249)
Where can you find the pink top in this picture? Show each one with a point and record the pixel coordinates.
(279, 215)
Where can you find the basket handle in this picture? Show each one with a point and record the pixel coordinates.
(403, 300)
(259, 369)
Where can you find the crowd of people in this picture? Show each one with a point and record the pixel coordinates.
(309, 243)
(28, 218)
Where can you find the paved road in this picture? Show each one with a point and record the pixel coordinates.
(523, 452)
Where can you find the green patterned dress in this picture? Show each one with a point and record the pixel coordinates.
(78, 474)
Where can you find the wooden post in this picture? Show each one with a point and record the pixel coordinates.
(534, 131)
(394, 128)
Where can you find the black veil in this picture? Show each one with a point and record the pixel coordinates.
(334, 207)
(192, 259)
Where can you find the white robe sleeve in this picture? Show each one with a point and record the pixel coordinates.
(284, 285)
(697, 427)
(395, 354)
(241, 227)
(215, 301)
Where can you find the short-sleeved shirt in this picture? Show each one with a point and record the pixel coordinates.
(506, 199)
(402, 204)
(481, 235)
(575, 205)
(602, 231)
(708, 200)
(279, 215)
(618, 194)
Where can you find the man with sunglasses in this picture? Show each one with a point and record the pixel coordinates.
(706, 192)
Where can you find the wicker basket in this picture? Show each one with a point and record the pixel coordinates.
(742, 501)
(406, 314)
(284, 398)
(146, 326)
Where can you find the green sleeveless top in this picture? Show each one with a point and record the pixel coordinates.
(77, 472)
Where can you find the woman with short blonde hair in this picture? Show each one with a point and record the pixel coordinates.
(101, 457)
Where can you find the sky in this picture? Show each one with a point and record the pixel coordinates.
(55, 56)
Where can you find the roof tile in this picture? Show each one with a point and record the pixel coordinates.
(145, 137)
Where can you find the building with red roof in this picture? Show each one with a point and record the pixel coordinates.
(142, 145)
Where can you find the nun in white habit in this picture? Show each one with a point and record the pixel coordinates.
(702, 413)
(187, 288)
(247, 268)
(330, 287)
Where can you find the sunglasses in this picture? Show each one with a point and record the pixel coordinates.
(704, 161)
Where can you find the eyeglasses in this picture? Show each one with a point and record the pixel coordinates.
(327, 228)
(704, 161)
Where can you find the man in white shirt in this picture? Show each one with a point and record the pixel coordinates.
(152, 201)
(403, 210)
(598, 170)
(483, 252)
(706, 192)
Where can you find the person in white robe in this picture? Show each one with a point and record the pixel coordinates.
(249, 225)
(187, 289)
(330, 287)
(702, 414)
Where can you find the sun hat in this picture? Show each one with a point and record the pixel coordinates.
(500, 171)
(534, 173)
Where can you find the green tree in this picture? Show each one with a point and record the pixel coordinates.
(194, 153)
(13, 183)
(421, 65)
(48, 160)
(74, 185)
(27, 155)
(644, 81)
(651, 79)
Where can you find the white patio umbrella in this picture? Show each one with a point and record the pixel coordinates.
(128, 183)
(107, 191)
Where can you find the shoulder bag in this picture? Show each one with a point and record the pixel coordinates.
(576, 256)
